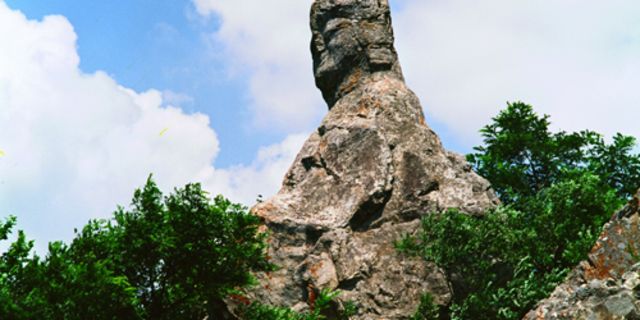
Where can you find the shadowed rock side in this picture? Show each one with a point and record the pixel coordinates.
(363, 179)
(607, 284)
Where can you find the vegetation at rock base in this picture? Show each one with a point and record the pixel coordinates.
(427, 309)
(322, 304)
(173, 257)
(557, 189)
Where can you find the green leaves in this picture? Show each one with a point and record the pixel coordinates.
(427, 309)
(322, 303)
(557, 189)
(166, 258)
(5, 228)
(520, 155)
(616, 164)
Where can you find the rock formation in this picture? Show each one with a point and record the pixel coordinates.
(363, 178)
(607, 284)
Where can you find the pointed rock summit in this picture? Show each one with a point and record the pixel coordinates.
(363, 178)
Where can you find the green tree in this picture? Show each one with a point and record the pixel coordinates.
(174, 257)
(521, 156)
(557, 189)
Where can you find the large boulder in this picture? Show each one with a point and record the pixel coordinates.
(606, 286)
(363, 178)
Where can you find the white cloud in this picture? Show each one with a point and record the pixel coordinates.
(270, 41)
(262, 177)
(575, 60)
(77, 144)
(176, 98)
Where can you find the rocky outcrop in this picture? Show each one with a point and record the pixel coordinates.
(607, 284)
(363, 178)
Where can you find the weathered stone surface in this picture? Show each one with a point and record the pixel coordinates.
(607, 284)
(363, 179)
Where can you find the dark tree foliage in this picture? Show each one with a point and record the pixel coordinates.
(521, 156)
(172, 257)
(557, 189)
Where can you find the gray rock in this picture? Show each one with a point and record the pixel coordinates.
(620, 305)
(363, 179)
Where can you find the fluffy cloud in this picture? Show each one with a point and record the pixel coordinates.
(574, 60)
(76, 145)
(262, 177)
(270, 41)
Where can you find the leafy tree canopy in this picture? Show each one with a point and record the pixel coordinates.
(173, 257)
(521, 156)
(557, 189)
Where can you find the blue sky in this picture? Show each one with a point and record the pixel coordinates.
(87, 86)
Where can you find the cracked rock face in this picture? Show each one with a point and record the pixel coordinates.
(363, 178)
(606, 286)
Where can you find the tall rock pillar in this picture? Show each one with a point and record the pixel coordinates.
(363, 178)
